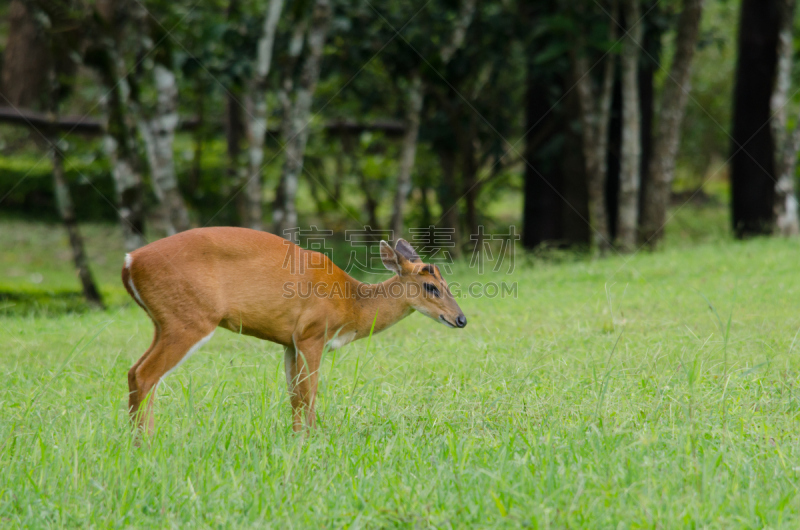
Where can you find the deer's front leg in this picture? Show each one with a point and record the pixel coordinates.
(302, 375)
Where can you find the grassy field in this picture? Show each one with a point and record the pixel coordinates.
(653, 391)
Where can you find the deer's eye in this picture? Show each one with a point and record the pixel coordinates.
(431, 289)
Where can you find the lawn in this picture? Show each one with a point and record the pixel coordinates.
(658, 391)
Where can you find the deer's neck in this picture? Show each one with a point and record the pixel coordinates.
(383, 303)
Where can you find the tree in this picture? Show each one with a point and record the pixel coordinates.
(414, 102)
(256, 102)
(673, 103)
(111, 35)
(285, 213)
(595, 113)
(38, 69)
(631, 145)
(158, 117)
(753, 148)
(787, 140)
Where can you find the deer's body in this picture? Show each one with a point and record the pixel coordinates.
(257, 284)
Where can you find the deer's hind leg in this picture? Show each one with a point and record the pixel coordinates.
(170, 347)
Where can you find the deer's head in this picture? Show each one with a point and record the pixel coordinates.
(424, 287)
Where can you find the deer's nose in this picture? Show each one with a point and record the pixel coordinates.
(461, 321)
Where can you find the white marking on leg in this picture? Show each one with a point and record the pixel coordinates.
(128, 261)
(341, 340)
(191, 351)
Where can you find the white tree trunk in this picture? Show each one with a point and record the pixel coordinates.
(787, 142)
(631, 147)
(256, 102)
(665, 144)
(408, 152)
(301, 110)
(158, 133)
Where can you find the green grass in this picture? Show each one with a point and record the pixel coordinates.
(606, 394)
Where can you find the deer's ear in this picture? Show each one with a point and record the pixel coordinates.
(407, 251)
(389, 257)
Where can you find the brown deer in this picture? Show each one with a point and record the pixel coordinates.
(262, 285)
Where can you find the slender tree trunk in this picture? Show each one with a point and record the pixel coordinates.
(673, 104)
(66, 208)
(285, 98)
(299, 121)
(414, 100)
(631, 148)
(121, 148)
(198, 137)
(371, 203)
(648, 66)
(753, 159)
(234, 133)
(594, 127)
(67, 212)
(257, 122)
(469, 173)
(448, 201)
(158, 133)
(786, 142)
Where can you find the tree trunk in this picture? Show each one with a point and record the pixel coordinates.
(158, 133)
(67, 212)
(786, 142)
(673, 104)
(543, 177)
(299, 121)
(25, 59)
(752, 162)
(648, 66)
(414, 100)
(631, 146)
(285, 98)
(198, 138)
(257, 122)
(594, 127)
(466, 13)
(121, 148)
(469, 171)
(234, 133)
(448, 201)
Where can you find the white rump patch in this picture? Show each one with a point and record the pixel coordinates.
(342, 339)
(191, 352)
(128, 261)
(136, 294)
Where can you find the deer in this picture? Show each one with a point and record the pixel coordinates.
(262, 285)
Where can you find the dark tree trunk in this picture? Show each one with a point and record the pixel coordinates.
(25, 59)
(613, 157)
(67, 212)
(448, 200)
(752, 163)
(572, 165)
(648, 67)
(234, 136)
(542, 211)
